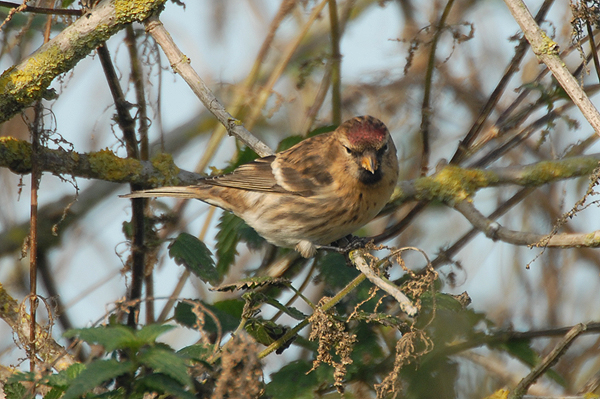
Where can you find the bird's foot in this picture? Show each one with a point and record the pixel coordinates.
(345, 245)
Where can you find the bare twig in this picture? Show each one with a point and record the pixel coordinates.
(336, 60)
(547, 362)
(546, 50)
(426, 106)
(181, 65)
(41, 10)
(405, 304)
(495, 231)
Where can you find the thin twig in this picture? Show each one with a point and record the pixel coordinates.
(426, 111)
(41, 10)
(547, 362)
(547, 51)
(181, 65)
(336, 60)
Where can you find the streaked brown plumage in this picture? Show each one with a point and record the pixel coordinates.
(313, 193)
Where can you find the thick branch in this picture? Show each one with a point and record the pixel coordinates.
(26, 82)
(452, 184)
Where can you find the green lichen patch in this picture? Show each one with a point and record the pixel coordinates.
(453, 184)
(107, 166)
(15, 155)
(164, 164)
(128, 11)
(548, 171)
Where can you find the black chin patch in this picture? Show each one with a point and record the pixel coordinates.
(369, 178)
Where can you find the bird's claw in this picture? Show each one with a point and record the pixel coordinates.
(345, 245)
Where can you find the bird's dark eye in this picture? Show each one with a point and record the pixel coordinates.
(385, 147)
(348, 150)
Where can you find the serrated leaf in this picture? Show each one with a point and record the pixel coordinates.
(16, 390)
(227, 239)
(63, 378)
(164, 361)
(252, 283)
(95, 374)
(229, 313)
(150, 332)
(165, 384)
(292, 382)
(110, 337)
(189, 251)
(334, 271)
(55, 393)
(197, 352)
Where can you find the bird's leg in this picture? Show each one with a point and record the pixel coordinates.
(346, 244)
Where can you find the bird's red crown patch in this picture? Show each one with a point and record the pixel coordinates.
(365, 130)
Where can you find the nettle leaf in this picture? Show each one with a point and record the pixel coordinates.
(227, 237)
(189, 251)
(197, 352)
(334, 271)
(289, 310)
(228, 312)
(15, 390)
(148, 334)
(251, 283)
(63, 378)
(95, 374)
(165, 384)
(165, 361)
(110, 337)
(289, 142)
(292, 382)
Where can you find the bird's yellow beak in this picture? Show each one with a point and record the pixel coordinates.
(369, 162)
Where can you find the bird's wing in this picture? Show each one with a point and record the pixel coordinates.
(305, 168)
(302, 170)
(254, 176)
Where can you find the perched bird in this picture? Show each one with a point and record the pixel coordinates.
(312, 194)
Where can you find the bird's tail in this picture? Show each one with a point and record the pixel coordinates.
(175, 191)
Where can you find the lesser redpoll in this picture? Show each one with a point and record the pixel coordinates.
(311, 194)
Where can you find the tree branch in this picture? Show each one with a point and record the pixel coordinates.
(495, 231)
(28, 81)
(546, 50)
(181, 65)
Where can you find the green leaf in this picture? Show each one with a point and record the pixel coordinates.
(149, 333)
(110, 337)
(227, 240)
(64, 377)
(292, 382)
(195, 256)
(165, 384)
(289, 142)
(95, 374)
(522, 350)
(228, 312)
(16, 390)
(334, 270)
(55, 393)
(289, 310)
(165, 361)
(264, 331)
(197, 352)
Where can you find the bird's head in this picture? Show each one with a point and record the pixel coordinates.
(368, 145)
